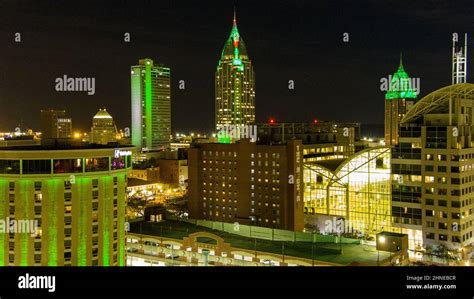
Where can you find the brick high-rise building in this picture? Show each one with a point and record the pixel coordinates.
(249, 183)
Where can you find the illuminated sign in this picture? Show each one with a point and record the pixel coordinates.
(119, 153)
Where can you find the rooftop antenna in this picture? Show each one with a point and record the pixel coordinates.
(459, 64)
(459, 68)
(235, 16)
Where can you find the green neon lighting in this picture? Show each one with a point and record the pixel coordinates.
(23, 210)
(400, 86)
(121, 198)
(106, 217)
(3, 204)
(234, 45)
(148, 103)
(236, 53)
(236, 61)
(223, 139)
(52, 235)
(83, 185)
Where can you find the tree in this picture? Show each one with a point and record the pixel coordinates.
(311, 228)
(137, 205)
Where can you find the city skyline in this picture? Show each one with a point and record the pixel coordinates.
(311, 52)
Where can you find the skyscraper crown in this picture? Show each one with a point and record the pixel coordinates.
(234, 48)
(400, 85)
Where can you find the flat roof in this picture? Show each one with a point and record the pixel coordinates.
(390, 234)
(62, 146)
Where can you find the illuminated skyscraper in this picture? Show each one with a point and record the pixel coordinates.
(103, 128)
(54, 124)
(151, 105)
(235, 83)
(399, 98)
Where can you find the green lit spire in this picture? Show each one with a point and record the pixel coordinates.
(234, 47)
(400, 85)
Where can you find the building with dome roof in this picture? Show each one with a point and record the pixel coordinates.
(234, 83)
(103, 128)
(433, 170)
(398, 100)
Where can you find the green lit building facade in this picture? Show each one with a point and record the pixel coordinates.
(151, 105)
(76, 198)
(234, 83)
(399, 98)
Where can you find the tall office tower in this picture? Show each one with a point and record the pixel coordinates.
(55, 124)
(64, 127)
(67, 203)
(234, 83)
(433, 177)
(459, 62)
(248, 183)
(103, 128)
(399, 98)
(151, 105)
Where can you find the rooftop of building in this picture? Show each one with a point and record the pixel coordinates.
(102, 113)
(391, 234)
(303, 123)
(63, 144)
(437, 102)
(235, 46)
(319, 250)
(400, 85)
(353, 162)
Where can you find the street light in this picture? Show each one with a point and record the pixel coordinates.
(381, 240)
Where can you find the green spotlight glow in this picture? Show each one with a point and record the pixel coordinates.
(3, 194)
(121, 198)
(106, 227)
(52, 235)
(83, 185)
(23, 210)
(400, 86)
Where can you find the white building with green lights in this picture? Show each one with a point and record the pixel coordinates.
(75, 196)
(151, 105)
(234, 83)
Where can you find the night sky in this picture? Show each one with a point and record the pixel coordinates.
(286, 40)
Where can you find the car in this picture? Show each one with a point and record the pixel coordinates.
(268, 262)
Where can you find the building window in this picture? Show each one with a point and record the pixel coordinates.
(36, 166)
(67, 165)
